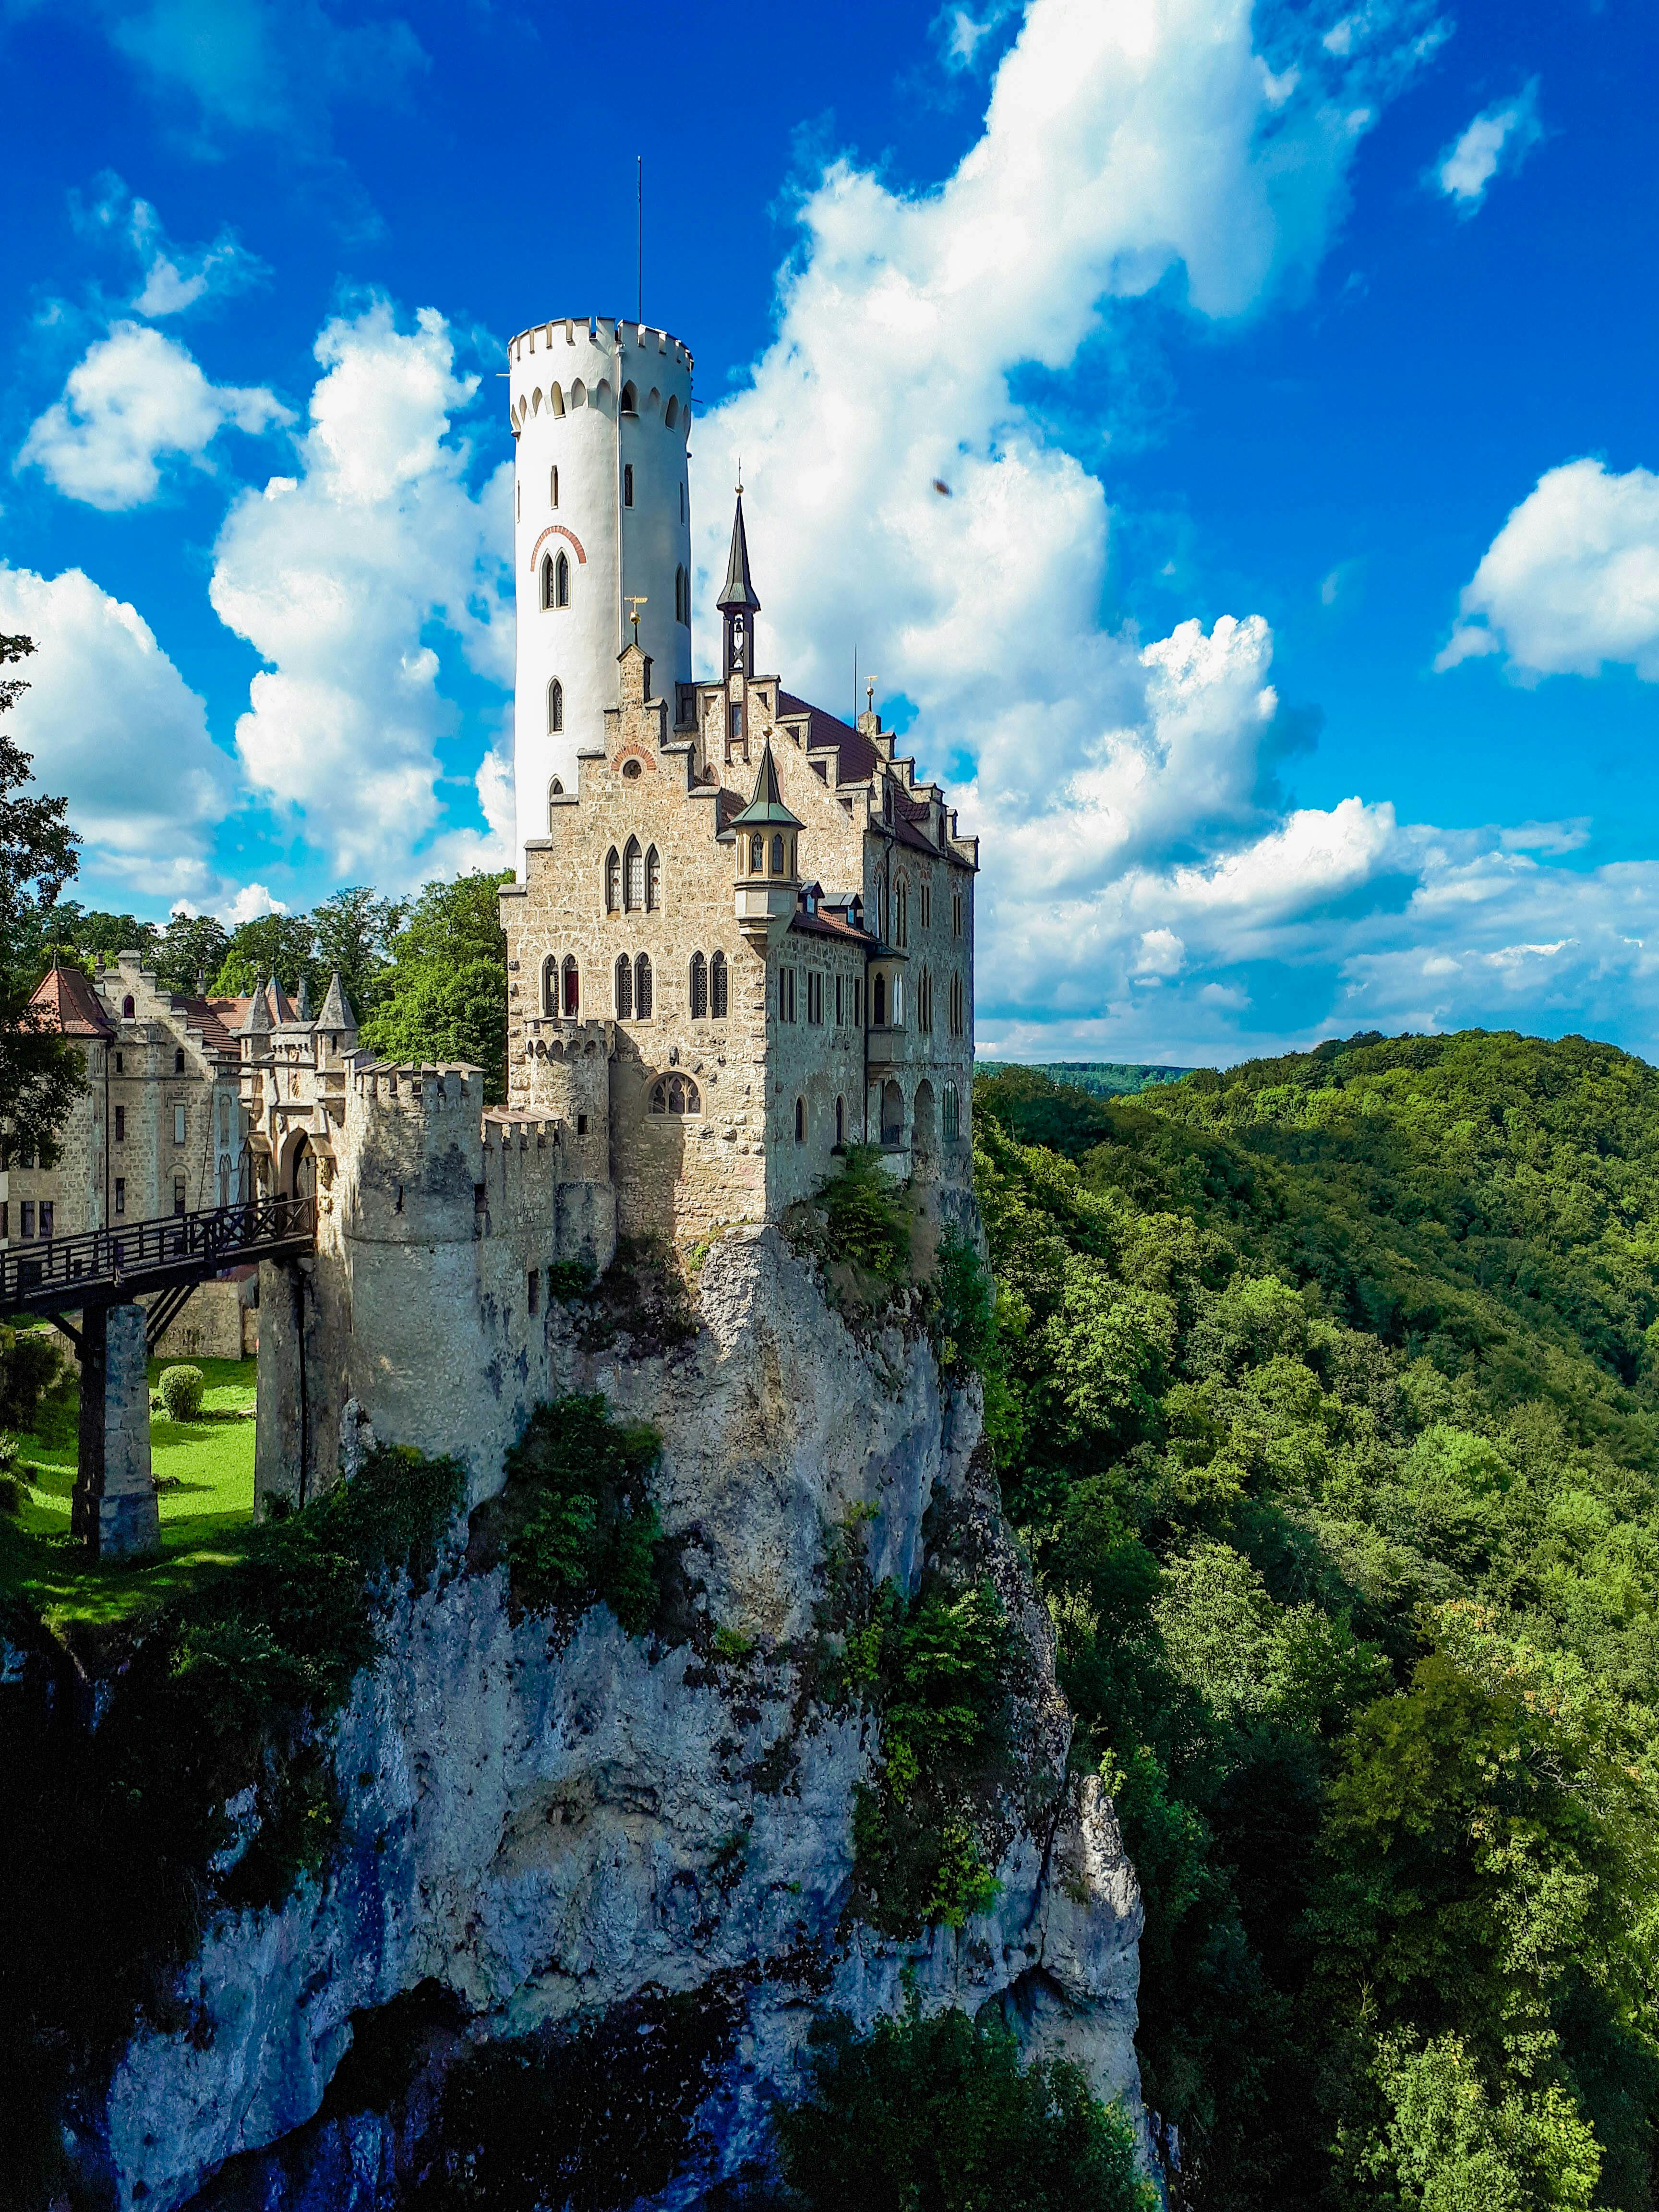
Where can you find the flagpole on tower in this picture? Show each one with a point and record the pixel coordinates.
(639, 295)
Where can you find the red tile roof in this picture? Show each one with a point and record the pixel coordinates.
(217, 1019)
(72, 1007)
(823, 924)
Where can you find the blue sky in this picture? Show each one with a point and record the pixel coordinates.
(1291, 633)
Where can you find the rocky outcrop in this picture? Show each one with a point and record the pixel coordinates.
(544, 1827)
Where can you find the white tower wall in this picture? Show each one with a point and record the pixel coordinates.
(565, 380)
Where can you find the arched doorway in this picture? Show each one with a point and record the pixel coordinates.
(922, 1117)
(302, 1172)
(892, 1113)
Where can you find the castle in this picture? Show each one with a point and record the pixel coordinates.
(741, 940)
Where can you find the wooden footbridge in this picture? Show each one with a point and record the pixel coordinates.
(101, 1276)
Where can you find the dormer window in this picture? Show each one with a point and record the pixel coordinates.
(128, 1010)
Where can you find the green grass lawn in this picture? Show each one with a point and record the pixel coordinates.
(204, 1476)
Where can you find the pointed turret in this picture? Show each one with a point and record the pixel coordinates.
(337, 1014)
(767, 882)
(302, 1012)
(257, 1020)
(739, 603)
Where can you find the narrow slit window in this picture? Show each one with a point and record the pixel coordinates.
(628, 483)
(573, 986)
(717, 986)
(612, 881)
(652, 881)
(553, 487)
(562, 580)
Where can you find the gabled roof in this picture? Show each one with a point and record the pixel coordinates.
(739, 595)
(70, 1005)
(766, 810)
(217, 1019)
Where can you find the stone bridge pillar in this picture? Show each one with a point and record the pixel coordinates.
(113, 1507)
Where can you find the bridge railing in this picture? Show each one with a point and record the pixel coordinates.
(101, 1260)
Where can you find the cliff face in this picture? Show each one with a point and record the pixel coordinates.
(577, 1827)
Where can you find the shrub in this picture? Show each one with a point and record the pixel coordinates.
(963, 1307)
(935, 1668)
(580, 1526)
(867, 1220)
(180, 1391)
(940, 2113)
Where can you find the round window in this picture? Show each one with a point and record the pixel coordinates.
(630, 768)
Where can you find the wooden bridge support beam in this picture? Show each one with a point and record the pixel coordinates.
(113, 1508)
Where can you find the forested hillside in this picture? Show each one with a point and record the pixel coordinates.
(1324, 1393)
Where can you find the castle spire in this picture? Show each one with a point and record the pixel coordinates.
(739, 602)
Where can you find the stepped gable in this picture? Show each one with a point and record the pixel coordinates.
(70, 1005)
(858, 755)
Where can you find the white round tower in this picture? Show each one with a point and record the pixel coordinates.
(601, 413)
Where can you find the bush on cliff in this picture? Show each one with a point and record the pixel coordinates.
(939, 2116)
(576, 1521)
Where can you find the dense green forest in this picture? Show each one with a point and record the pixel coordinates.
(1324, 1394)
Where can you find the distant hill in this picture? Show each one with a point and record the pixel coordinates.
(1108, 1078)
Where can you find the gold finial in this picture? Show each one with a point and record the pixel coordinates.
(634, 603)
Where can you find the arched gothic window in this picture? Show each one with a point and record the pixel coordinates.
(800, 1120)
(624, 988)
(757, 855)
(777, 856)
(925, 1002)
(127, 1009)
(556, 705)
(612, 882)
(652, 881)
(573, 987)
(881, 907)
(675, 1094)
(550, 585)
(550, 984)
(553, 484)
(178, 1061)
(956, 1005)
(560, 581)
(633, 877)
(699, 986)
(717, 986)
(630, 400)
(841, 1122)
(949, 1115)
(643, 986)
(902, 911)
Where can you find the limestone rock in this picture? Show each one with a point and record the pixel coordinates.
(543, 1829)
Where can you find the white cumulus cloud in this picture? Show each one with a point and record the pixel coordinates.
(349, 578)
(172, 277)
(113, 725)
(136, 400)
(1571, 580)
(1132, 824)
(1499, 137)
